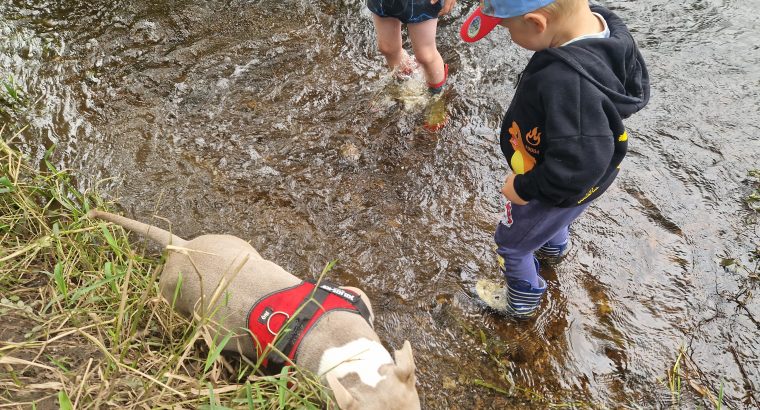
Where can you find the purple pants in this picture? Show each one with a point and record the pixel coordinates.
(525, 228)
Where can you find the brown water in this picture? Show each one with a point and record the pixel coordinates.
(276, 121)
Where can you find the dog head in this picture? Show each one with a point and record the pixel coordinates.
(396, 391)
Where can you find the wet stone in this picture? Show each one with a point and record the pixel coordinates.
(146, 31)
(449, 383)
(350, 152)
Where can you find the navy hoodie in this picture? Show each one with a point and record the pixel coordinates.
(563, 133)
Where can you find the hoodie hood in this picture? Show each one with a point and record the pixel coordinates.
(614, 65)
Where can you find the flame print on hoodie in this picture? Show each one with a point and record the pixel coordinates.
(522, 161)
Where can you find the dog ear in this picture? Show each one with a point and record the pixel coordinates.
(344, 399)
(405, 364)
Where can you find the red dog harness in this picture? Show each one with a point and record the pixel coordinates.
(283, 318)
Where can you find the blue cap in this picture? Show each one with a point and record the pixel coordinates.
(511, 8)
(491, 12)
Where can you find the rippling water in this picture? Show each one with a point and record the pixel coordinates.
(276, 121)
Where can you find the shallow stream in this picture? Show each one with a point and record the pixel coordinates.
(276, 121)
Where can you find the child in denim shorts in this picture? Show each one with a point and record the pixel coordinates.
(421, 18)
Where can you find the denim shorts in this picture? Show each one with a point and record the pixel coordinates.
(408, 11)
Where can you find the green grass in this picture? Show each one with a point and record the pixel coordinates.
(750, 265)
(82, 324)
(13, 98)
(675, 377)
(683, 376)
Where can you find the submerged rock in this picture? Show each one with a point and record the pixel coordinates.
(350, 152)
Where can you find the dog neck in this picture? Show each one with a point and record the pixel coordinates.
(362, 356)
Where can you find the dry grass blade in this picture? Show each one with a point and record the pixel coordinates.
(13, 360)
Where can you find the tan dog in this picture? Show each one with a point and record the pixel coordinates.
(342, 348)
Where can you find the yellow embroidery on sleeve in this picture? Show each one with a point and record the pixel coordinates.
(590, 192)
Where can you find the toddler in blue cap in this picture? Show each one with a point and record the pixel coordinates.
(562, 135)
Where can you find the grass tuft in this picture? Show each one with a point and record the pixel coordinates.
(82, 323)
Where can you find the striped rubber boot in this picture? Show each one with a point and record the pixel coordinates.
(553, 254)
(518, 299)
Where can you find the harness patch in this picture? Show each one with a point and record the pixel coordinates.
(264, 319)
(279, 321)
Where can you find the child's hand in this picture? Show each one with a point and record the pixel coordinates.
(447, 6)
(508, 190)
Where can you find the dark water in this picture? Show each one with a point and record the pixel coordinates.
(276, 121)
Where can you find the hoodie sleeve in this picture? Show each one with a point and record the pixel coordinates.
(579, 145)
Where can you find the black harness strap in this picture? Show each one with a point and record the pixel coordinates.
(293, 328)
(355, 299)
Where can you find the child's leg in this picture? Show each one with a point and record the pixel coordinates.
(389, 40)
(560, 238)
(524, 229)
(422, 36)
(515, 258)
